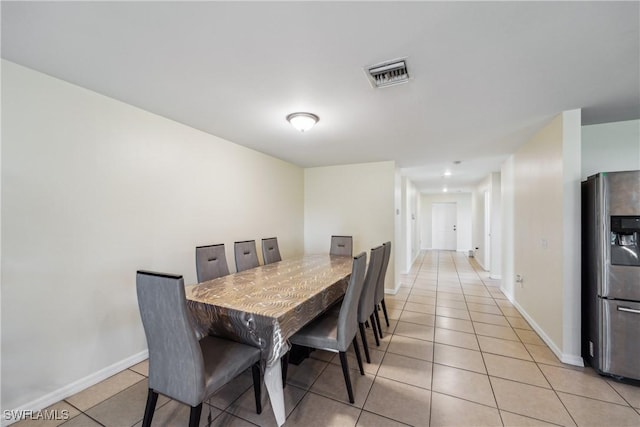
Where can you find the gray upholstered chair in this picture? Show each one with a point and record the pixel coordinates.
(180, 366)
(366, 305)
(211, 262)
(379, 297)
(341, 245)
(336, 331)
(270, 251)
(246, 255)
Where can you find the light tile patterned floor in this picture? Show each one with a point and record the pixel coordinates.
(456, 353)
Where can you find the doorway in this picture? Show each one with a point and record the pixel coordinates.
(444, 226)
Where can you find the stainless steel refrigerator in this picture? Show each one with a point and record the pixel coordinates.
(611, 273)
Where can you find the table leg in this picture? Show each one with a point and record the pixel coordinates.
(273, 382)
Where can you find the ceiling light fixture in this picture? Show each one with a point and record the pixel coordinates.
(447, 173)
(444, 190)
(302, 121)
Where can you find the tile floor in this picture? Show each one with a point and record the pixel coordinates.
(457, 353)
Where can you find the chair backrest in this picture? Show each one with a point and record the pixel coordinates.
(211, 262)
(366, 303)
(348, 317)
(270, 251)
(246, 255)
(341, 245)
(176, 367)
(383, 272)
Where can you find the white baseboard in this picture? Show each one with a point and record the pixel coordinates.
(570, 359)
(507, 294)
(77, 386)
(413, 261)
(394, 290)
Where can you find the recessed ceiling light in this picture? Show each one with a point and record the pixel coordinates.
(444, 190)
(302, 121)
(447, 173)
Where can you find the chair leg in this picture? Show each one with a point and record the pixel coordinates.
(194, 416)
(363, 335)
(257, 386)
(384, 310)
(375, 330)
(356, 348)
(375, 312)
(152, 398)
(345, 372)
(284, 366)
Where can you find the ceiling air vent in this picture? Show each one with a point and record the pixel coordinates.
(388, 73)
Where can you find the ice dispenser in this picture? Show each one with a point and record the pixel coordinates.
(625, 240)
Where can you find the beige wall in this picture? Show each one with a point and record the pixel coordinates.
(538, 228)
(507, 173)
(94, 189)
(545, 233)
(355, 200)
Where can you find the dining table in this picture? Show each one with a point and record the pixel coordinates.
(266, 305)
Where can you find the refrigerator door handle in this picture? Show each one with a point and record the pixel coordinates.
(628, 310)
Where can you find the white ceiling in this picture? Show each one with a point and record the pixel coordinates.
(485, 75)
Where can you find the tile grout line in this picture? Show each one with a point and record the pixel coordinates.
(398, 321)
(618, 393)
(484, 363)
(557, 396)
(595, 399)
(382, 416)
(307, 391)
(225, 410)
(492, 296)
(383, 357)
(433, 347)
(533, 418)
(422, 257)
(543, 374)
(540, 370)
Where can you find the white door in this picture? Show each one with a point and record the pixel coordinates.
(443, 226)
